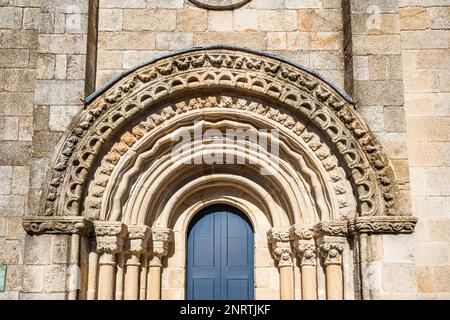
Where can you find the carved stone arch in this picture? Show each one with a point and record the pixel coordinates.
(114, 164)
(305, 93)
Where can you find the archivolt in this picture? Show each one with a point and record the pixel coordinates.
(148, 176)
(299, 101)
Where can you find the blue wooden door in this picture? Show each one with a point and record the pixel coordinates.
(220, 255)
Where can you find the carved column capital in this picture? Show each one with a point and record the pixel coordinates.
(306, 250)
(161, 240)
(109, 236)
(331, 249)
(139, 236)
(279, 239)
(301, 233)
(304, 246)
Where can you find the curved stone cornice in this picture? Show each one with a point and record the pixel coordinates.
(221, 68)
(57, 225)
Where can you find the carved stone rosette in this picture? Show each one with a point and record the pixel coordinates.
(110, 236)
(331, 249)
(281, 246)
(57, 225)
(161, 241)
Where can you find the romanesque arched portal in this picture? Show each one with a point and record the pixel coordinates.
(124, 191)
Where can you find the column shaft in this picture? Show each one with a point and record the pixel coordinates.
(334, 282)
(106, 277)
(286, 283)
(154, 280)
(309, 282)
(132, 277)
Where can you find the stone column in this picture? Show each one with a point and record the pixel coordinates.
(138, 237)
(110, 237)
(120, 275)
(281, 249)
(306, 250)
(331, 249)
(143, 279)
(161, 239)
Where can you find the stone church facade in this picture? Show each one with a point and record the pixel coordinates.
(97, 203)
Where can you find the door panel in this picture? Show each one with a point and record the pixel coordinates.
(220, 255)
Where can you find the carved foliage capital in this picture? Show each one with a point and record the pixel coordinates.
(138, 236)
(331, 249)
(110, 236)
(283, 253)
(306, 250)
(281, 246)
(161, 240)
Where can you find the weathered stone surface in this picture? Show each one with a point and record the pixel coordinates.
(60, 116)
(14, 58)
(192, 20)
(245, 20)
(14, 229)
(10, 18)
(55, 278)
(433, 279)
(414, 18)
(54, 92)
(254, 40)
(110, 19)
(126, 40)
(174, 41)
(9, 255)
(319, 20)
(277, 20)
(125, 4)
(63, 44)
(33, 279)
(37, 250)
(152, 20)
(398, 249)
(392, 282)
(440, 17)
(276, 41)
(220, 21)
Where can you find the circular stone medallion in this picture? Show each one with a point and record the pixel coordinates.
(219, 4)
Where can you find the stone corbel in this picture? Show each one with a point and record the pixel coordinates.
(57, 225)
(281, 246)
